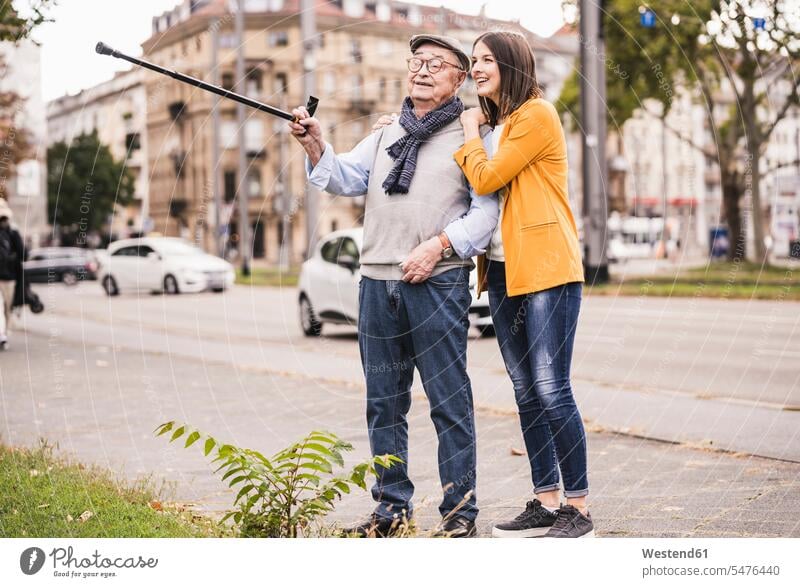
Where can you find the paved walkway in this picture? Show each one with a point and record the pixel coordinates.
(101, 405)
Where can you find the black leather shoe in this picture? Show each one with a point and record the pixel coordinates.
(376, 527)
(455, 527)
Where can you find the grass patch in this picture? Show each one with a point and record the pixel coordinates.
(718, 280)
(42, 495)
(269, 276)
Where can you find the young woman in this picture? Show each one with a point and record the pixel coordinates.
(533, 273)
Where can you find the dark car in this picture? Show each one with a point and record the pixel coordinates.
(67, 264)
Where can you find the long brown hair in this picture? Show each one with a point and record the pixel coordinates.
(517, 65)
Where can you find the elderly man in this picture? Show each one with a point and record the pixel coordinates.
(422, 225)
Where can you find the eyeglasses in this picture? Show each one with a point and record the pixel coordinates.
(434, 65)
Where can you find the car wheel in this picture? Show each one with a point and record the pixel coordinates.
(171, 285)
(110, 285)
(69, 278)
(218, 289)
(486, 331)
(308, 321)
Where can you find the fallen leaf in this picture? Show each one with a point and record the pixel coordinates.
(70, 518)
(156, 505)
(33, 473)
(44, 505)
(517, 452)
(85, 516)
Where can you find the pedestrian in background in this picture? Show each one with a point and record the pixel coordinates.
(12, 254)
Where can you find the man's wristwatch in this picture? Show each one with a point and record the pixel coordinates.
(447, 248)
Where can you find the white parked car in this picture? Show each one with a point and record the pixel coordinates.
(328, 286)
(162, 264)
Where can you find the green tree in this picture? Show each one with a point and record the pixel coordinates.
(14, 139)
(710, 47)
(84, 183)
(14, 27)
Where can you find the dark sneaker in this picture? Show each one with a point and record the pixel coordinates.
(455, 527)
(376, 527)
(571, 523)
(535, 521)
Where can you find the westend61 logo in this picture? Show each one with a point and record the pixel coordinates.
(66, 564)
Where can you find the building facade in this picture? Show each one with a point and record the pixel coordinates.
(27, 187)
(360, 73)
(116, 110)
(692, 190)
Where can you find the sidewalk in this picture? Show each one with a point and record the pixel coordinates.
(102, 406)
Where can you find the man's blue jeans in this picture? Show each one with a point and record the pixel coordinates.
(403, 326)
(536, 333)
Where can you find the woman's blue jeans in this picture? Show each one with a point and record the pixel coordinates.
(536, 333)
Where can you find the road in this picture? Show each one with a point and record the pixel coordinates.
(719, 372)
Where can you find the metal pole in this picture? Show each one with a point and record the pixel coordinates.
(593, 119)
(664, 182)
(215, 151)
(308, 28)
(244, 221)
(285, 179)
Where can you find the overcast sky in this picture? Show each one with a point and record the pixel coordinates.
(70, 64)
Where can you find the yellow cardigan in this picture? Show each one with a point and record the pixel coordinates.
(540, 238)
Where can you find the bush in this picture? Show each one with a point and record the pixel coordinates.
(286, 494)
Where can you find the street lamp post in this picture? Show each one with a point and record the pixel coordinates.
(244, 240)
(593, 119)
(308, 27)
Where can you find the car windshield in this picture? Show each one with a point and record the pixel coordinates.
(177, 248)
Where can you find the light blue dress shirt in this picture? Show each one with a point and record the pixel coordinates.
(347, 174)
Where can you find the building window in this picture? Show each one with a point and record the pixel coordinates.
(329, 83)
(230, 186)
(382, 89)
(256, 5)
(357, 86)
(278, 39)
(355, 50)
(227, 40)
(254, 183)
(259, 248)
(281, 83)
(254, 137)
(254, 82)
(227, 81)
(228, 136)
(132, 141)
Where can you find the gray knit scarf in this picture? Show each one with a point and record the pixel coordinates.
(404, 150)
